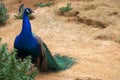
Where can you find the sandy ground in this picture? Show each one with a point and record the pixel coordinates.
(96, 49)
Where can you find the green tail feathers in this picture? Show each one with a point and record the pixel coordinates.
(63, 61)
(56, 62)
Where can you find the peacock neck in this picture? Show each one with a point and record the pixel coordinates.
(26, 31)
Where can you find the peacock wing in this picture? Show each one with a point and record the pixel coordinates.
(41, 63)
(48, 61)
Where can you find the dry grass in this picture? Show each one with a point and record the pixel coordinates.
(97, 59)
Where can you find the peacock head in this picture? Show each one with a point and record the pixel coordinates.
(28, 11)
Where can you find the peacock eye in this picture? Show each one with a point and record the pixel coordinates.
(27, 11)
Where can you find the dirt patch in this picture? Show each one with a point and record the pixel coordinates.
(2, 24)
(90, 22)
(88, 77)
(90, 7)
(71, 13)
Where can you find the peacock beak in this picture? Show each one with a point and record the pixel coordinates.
(32, 11)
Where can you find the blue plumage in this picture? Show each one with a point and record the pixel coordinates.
(28, 44)
(25, 41)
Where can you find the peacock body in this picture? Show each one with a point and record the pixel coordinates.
(29, 44)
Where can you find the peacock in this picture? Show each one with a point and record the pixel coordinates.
(28, 44)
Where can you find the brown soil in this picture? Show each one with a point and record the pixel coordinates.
(96, 49)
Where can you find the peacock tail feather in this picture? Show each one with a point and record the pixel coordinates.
(56, 62)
